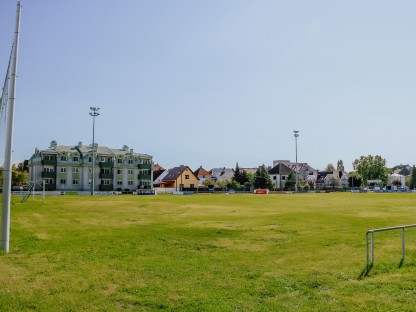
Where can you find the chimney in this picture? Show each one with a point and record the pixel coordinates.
(54, 144)
(125, 148)
(131, 151)
(80, 144)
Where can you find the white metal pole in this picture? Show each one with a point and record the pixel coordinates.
(403, 242)
(93, 155)
(34, 182)
(7, 180)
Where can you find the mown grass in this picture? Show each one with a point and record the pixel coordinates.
(301, 252)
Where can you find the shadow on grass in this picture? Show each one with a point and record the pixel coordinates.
(365, 271)
(401, 263)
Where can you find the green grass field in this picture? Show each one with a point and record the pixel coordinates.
(248, 252)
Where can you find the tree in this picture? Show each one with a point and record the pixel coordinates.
(19, 175)
(240, 176)
(262, 179)
(354, 179)
(412, 183)
(371, 168)
(290, 182)
(330, 168)
(209, 183)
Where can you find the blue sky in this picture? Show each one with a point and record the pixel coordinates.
(213, 83)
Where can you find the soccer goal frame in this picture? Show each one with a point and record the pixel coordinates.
(370, 241)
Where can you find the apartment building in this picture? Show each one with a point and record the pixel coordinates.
(69, 168)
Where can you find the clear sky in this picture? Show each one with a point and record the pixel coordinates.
(217, 82)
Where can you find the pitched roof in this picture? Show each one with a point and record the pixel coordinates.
(157, 167)
(85, 149)
(222, 174)
(175, 172)
(202, 173)
(158, 173)
(281, 168)
(162, 174)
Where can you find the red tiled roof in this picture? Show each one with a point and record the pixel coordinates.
(202, 173)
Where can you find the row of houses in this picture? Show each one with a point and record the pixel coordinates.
(84, 167)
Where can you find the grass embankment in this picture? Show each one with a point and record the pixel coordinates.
(208, 253)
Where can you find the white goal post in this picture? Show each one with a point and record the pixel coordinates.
(370, 241)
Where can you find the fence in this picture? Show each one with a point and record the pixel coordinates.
(370, 233)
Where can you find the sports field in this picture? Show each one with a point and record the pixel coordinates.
(291, 252)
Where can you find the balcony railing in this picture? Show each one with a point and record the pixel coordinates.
(51, 175)
(105, 188)
(49, 162)
(106, 164)
(106, 175)
(144, 166)
(144, 176)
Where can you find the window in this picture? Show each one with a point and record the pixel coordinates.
(106, 170)
(63, 181)
(119, 161)
(274, 177)
(75, 170)
(63, 170)
(283, 178)
(48, 181)
(130, 161)
(90, 159)
(130, 171)
(192, 186)
(75, 182)
(186, 176)
(130, 182)
(75, 158)
(48, 170)
(105, 182)
(63, 158)
(119, 171)
(119, 182)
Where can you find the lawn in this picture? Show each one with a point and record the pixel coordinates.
(291, 252)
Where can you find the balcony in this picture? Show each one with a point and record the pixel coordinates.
(49, 162)
(106, 164)
(105, 188)
(108, 176)
(50, 175)
(144, 166)
(144, 176)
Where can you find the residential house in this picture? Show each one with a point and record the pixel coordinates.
(222, 174)
(279, 175)
(202, 175)
(334, 179)
(281, 169)
(180, 177)
(158, 176)
(404, 170)
(69, 168)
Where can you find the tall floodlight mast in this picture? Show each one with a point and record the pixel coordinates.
(7, 180)
(94, 113)
(296, 134)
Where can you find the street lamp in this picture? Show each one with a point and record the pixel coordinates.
(296, 134)
(94, 112)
